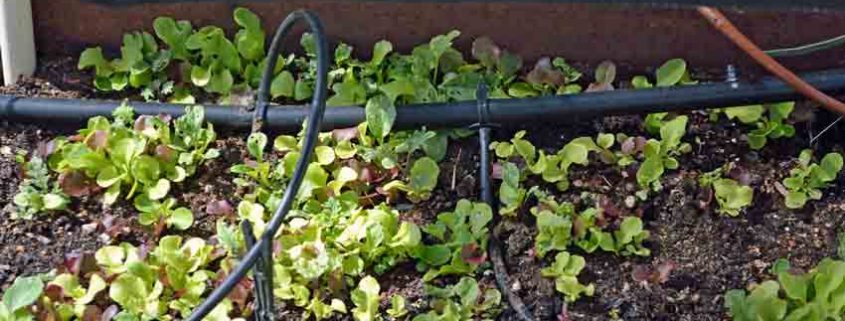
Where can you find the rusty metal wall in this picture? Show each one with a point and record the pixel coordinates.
(630, 35)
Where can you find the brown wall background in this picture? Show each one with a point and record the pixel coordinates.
(629, 35)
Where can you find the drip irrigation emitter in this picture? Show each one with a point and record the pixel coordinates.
(260, 250)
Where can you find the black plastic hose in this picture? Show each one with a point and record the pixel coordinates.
(318, 106)
(445, 115)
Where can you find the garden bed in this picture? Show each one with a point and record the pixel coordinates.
(696, 253)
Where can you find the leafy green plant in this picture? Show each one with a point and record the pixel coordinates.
(155, 212)
(36, 194)
(144, 156)
(424, 174)
(770, 126)
(552, 168)
(806, 180)
(397, 307)
(80, 296)
(673, 72)
(23, 293)
(462, 236)
(336, 239)
(511, 195)
(462, 301)
(366, 299)
(157, 283)
(731, 196)
(565, 270)
(660, 155)
(554, 225)
(141, 65)
(815, 295)
(548, 77)
(627, 240)
(559, 225)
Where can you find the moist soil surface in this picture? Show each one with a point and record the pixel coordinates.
(711, 253)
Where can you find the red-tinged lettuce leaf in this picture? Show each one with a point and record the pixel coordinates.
(99, 139)
(473, 254)
(241, 292)
(545, 74)
(143, 123)
(80, 263)
(486, 52)
(46, 148)
(54, 292)
(76, 184)
(165, 153)
(604, 77)
(92, 313)
(342, 134)
(610, 211)
(657, 274)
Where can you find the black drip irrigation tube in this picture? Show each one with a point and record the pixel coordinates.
(260, 250)
(289, 118)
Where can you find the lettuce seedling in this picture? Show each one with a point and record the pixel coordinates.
(155, 212)
(673, 72)
(79, 296)
(462, 301)
(816, 295)
(182, 263)
(139, 64)
(23, 293)
(731, 196)
(627, 240)
(511, 195)
(565, 272)
(762, 304)
(36, 194)
(366, 298)
(334, 240)
(174, 34)
(660, 155)
(397, 307)
(144, 156)
(554, 224)
(463, 236)
(250, 38)
(547, 77)
(806, 180)
(552, 168)
(770, 126)
(422, 181)
(219, 60)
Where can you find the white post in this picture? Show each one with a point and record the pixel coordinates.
(17, 43)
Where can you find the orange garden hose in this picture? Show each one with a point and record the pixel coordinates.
(721, 22)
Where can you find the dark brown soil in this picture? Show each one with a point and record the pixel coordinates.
(712, 253)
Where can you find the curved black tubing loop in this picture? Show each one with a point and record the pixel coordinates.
(318, 106)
